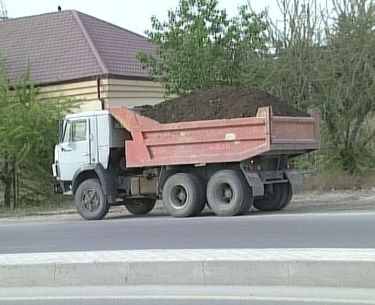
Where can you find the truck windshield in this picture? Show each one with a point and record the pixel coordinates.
(66, 133)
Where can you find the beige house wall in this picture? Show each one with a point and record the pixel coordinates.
(84, 92)
(115, 92)
(132, 93)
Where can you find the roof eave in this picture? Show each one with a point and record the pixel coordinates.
(94, 77)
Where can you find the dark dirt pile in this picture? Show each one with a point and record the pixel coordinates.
(224, 102)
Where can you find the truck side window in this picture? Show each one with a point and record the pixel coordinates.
(75, 131)
(78, 131)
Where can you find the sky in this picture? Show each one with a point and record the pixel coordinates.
(133, 15)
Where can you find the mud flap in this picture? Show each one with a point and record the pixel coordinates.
(108, 182)
(255, 183)
(295, 180)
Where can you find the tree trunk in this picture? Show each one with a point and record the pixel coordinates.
(7, 191)
(13, 178)
(7, 180)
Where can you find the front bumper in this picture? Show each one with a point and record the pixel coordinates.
(63, 187)
(57, 189)
(55, 170)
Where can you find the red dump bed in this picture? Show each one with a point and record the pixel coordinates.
(216, 141)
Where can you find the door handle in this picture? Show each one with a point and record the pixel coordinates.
(85, 154)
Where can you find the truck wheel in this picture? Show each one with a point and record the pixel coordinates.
(183, 196)
(288, 194)
(90, 201)
(228, 194)
(140, 206)
(271, 201)
(202, 185)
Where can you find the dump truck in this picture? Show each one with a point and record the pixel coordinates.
(117, 156)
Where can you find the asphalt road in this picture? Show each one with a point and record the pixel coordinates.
(343, 229)
(185, 295)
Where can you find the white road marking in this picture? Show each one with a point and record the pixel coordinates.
(316, 214)
(188, 297)
(28, 247)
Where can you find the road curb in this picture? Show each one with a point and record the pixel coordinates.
(352, 268)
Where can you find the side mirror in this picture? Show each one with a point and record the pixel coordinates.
(61, 131)
(64, 129)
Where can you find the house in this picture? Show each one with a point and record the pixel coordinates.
(74, 55)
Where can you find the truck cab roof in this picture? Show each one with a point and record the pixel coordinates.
(86, 114)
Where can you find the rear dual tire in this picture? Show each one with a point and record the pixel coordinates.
(278, 199)
(140, 206)
(228, 193)
(183, 195)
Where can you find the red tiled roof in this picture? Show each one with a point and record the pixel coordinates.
(69, 45)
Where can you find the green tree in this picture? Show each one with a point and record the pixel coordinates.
(201, 46)
(326, 60)
(350, 84)
(28, 131)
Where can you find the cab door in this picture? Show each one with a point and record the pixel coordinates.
(74, 149)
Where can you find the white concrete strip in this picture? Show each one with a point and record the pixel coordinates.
(190, 298)
(326, 254)
(289, 267)
(163, 292)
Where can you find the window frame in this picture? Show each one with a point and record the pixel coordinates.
(70, 130)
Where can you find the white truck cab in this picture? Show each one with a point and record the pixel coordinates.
(81, 143)
(89, 162)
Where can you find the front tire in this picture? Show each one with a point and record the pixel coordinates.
(140, 206)
(228, 193)
(183, 195)
(90, 200)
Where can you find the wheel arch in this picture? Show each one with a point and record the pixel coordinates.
(106, 177)
(82, 175)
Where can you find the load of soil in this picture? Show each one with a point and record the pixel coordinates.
(225, 102)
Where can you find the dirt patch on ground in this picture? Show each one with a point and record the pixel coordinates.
(330, 201)
(225, 102)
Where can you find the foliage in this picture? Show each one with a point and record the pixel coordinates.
(28, 131)
(351, 83)
(201, 46)
(318, 57)
(326, 60)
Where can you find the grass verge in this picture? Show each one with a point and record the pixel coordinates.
(338, 181)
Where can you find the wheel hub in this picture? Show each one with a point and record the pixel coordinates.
(228, 194)
(179, 197)
(225, 193)
(90, 200)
